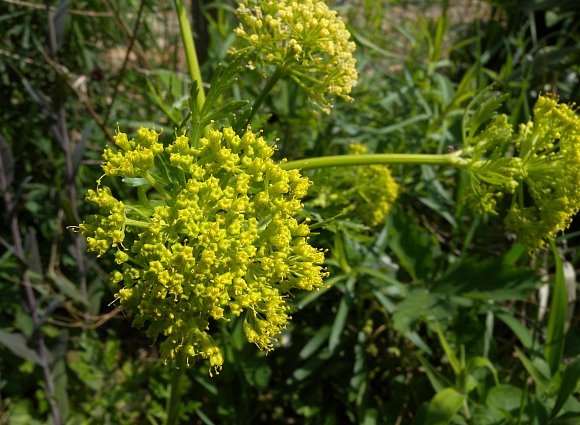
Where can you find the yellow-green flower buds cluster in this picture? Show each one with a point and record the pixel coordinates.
(213, 237)
(366, 192)
(539, 167)
(106, 229)
(304, 39)
(135, 157)
(549, 148)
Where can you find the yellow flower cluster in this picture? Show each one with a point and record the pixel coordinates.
(221, 242)
(135, 157)
(368, 192)
(106, 229)
(549, 148)
(539, 167)
(305, 39)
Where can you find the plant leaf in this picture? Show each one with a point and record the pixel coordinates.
(555, 336)
(314, 343)
(443, 406)
(481, 109)
(541, 380)
(523, 333)
(340, 318)
(453, 360)
(505, 398)
(418, 305)
(487, 279)
(570, 379)
(16, 343)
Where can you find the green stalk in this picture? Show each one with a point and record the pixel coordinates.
(136, 223)
(176, 391)
(378, 158)
(260, 99)
(190, 54)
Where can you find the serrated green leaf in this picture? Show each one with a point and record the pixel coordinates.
(451, 357)
(228, 110)
(480, 110)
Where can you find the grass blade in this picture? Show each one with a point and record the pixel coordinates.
(554, 348)
(570, 379)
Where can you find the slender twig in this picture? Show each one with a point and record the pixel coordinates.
(138, 50)
(97, 321)
(125, 60)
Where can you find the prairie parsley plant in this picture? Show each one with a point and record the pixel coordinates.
(537, 167)
(304, 40)
(212, 237)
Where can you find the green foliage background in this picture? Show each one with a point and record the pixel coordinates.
(434, 317)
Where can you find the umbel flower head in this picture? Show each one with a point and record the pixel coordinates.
(304, 40)
(213, 237)
(538, 168)
(366, 192)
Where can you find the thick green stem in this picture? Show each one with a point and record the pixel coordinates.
(190, 54)
(176, 391)
(378, 158)
(260, 99)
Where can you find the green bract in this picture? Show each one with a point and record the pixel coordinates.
(214, 239)
(304, 39)
(538, 167)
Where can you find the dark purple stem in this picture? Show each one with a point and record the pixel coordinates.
(31, 305)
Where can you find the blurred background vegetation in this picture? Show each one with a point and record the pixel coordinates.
(435, 316)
